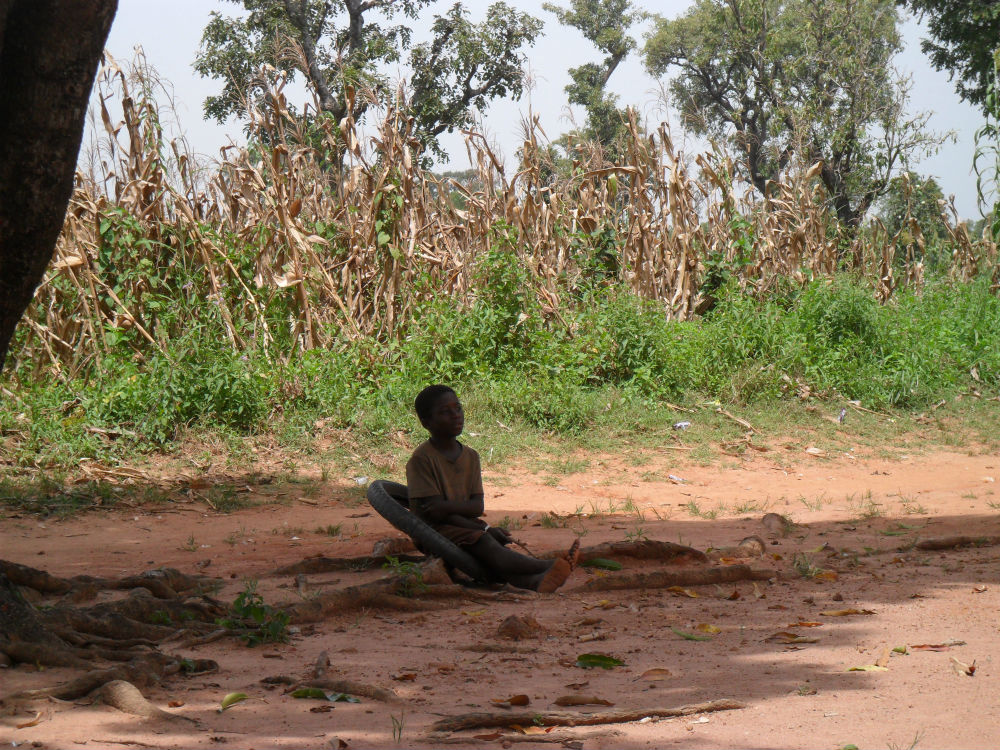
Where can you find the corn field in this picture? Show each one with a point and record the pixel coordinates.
(293, 250)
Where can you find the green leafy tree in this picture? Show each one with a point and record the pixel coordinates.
(466, 65)
(606, 24)
(920, 198)
(964, 36)
(811, 78)
(911, 196)
(336, 45)
(965, 41)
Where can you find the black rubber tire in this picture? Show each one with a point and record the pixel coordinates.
(391, 500)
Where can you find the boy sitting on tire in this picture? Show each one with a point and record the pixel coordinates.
(445, 486)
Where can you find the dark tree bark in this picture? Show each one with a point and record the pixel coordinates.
(49, 51)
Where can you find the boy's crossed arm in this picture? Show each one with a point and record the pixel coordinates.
(462, 513)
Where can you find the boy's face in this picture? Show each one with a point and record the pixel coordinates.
(447, 420)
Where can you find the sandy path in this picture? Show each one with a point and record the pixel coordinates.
(856, 517)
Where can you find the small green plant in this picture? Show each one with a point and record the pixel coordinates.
(804, 566)
(913, 743)
(814, 504)
(550, 521)
(748, 506)
(225, 499)
(190, 545)
(330, 529)
(397, 726)
(409, 574)
(695, 510)
(870, 509)
(161, 617)
(254, 620)
(629, 506)
(510, 524)
(992, 503)
(638, 534)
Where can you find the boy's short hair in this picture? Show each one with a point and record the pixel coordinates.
(428, 397)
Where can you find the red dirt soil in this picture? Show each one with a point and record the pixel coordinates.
(857, 518)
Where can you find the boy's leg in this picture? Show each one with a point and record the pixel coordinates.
(521, 570)
(507, 565)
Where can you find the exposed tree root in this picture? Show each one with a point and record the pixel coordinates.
(320, 680)
(332, 564)
(124, 633)
(353, 688)
(380, 594)
(164, 583)
(667, 578)
(951, 542)
(550, 738)
(574, 719)
(644, 549)
(142, 670)
(126, 697)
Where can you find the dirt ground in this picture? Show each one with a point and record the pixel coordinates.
(852, 548)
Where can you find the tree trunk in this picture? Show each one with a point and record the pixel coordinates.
(49, 51)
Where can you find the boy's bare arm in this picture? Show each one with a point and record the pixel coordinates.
(439, 510)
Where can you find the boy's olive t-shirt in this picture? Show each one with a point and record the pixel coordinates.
(429, 473)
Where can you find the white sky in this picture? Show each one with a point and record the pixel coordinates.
(169, 32)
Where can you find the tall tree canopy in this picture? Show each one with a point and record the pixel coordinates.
(812, 77)
(919, 197)
(606, 24)
(965, 35)
(349, 43)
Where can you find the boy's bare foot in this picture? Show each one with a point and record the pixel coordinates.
(560, 570)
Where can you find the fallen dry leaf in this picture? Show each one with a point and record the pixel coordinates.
(705, 627)
(655, 674)
(32, 722)
(883, 658)
(581, 700)
(846, 612)
(826, 575)
(681, 591)
(733, 596)
(515, 700)
(868, 668)
(175, 704)
(805, 624)
(757, 593)
(530, 730)
(961, 667)
(979, 589)
(814, 451)
(405, 676)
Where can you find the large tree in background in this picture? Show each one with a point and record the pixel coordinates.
(965, 35)
(812, 77)
(49, 51)
(606, 24)
(921, 198)
(350, 43)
